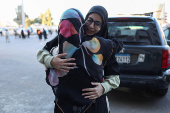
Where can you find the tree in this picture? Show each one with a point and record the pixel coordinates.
(18, 19)
(48, 13)
(46, 18)
(43, 18)
(37, 20)
(27, 22)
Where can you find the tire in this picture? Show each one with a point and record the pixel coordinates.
(161, 92)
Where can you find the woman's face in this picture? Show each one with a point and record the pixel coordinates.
(93, 24)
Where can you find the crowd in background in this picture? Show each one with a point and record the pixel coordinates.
(22, 33)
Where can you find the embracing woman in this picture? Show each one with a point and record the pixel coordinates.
(88, 68)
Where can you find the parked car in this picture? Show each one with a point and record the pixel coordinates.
(145, 58)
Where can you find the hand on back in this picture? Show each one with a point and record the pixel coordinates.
(93, 93)
(62, 64)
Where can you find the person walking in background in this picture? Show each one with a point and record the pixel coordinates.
(0, 32)
(45, 34)
(22, 34)
(50, 31)
(7, 36)
(39, 34)
(28, 32)
(15, 33)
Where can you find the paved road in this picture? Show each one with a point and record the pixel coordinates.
(23, 88)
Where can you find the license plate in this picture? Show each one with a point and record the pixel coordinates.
(123, 58)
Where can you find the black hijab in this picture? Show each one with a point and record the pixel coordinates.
(103, 13)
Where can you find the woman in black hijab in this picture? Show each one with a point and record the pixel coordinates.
(103, 13)
(88, 75)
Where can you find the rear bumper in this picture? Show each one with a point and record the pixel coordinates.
(145, 81)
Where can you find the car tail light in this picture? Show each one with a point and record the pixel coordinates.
(165, 58)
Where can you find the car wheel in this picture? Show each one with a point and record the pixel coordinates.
(161, 92)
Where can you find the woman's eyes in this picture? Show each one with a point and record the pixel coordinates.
(90, 20)
(98, 23)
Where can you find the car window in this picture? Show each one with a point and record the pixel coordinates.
(167, 35)
(138, 33)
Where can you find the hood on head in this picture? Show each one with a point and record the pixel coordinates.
(100, 10)
(103, 13)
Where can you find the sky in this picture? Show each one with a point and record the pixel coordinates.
(33, 8)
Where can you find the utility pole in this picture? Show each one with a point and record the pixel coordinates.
(23, 15)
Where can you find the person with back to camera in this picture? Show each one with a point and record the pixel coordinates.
(22, 34)
(0, 32)
(28, 33)
(45, 34)
(7, 36)
(77, 81)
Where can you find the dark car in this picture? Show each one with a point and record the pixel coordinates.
(145, 58)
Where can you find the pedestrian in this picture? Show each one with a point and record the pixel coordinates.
(7, 36)
(1, 32)
(45, 34)
(82, 88)
(28, 32)
(50, 31)
(39, 34)
(22, 34)
(15, 33)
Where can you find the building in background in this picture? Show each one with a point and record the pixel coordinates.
(160, 14)
(156, 9)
